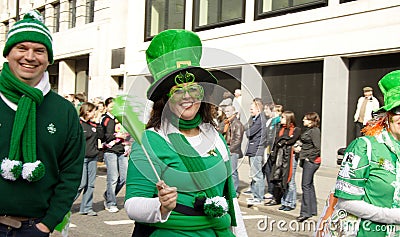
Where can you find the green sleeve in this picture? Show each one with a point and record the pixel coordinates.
(354, 172)
(141, 179)
(70, 173)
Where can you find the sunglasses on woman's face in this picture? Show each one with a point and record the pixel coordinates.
(194, 90)
(396, 110)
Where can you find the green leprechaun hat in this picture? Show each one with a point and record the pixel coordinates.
(174, 52)
(390, 87)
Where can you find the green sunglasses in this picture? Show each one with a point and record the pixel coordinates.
(194, 90)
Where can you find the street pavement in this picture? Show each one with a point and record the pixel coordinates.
(260, 220)
(324, 180)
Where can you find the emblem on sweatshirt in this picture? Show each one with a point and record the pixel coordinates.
(51, 128)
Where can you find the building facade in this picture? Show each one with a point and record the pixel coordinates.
(308, 55)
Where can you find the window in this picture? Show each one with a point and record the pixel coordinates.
(297, 86)
(266, 8)
(72, 13)
(215, 13)
(117, 57)
(162, 15)
(89, 11)
(56, 18)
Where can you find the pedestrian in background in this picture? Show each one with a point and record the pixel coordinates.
(272, 125)
(310, 160)
(100, 111)
(237, 102)
(114, 157)
(79, 98)
(42, 143)
(367, 185)
(234, 138)
(221, 116)
(226, 100)
(92, 131)
(365, 106)
(256, 133)
(284, 163)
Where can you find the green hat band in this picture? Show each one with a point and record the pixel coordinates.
(29, 29)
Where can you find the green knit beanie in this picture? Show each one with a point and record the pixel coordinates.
(29, 29)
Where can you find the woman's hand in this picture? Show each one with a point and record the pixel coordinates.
(167, 196)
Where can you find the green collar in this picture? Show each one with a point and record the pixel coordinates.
(186, 124)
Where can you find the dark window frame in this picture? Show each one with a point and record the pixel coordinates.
(72, 14)
(220, 23)
(56, 22)
(292, 9)
(148, 18)
(90, 11)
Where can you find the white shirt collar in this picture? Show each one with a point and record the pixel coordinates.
(43, 85)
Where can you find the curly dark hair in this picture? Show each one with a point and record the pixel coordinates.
(206, 111)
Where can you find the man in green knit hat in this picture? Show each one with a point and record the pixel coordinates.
(41, 142)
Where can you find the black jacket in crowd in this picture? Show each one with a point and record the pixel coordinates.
(281, 156)
(92, 132)
(257, 135)
(108, 123)
(311, 148)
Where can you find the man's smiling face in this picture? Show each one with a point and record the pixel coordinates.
(28, 61)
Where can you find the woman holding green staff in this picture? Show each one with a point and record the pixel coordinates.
(195, 196)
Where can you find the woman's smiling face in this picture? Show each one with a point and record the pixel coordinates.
(185, 100)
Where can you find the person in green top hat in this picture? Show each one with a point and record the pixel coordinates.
(368, 184)
(42, 143)
(195, 196)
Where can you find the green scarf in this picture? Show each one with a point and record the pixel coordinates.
(23, 137)
(185, 124)
(194, 164)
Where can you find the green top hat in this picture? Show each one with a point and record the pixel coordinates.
(390, 87)
(170, 53)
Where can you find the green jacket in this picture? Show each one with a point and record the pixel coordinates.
(61, 148)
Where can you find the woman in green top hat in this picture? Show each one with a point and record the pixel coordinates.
(195, 196)
(368, 184)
